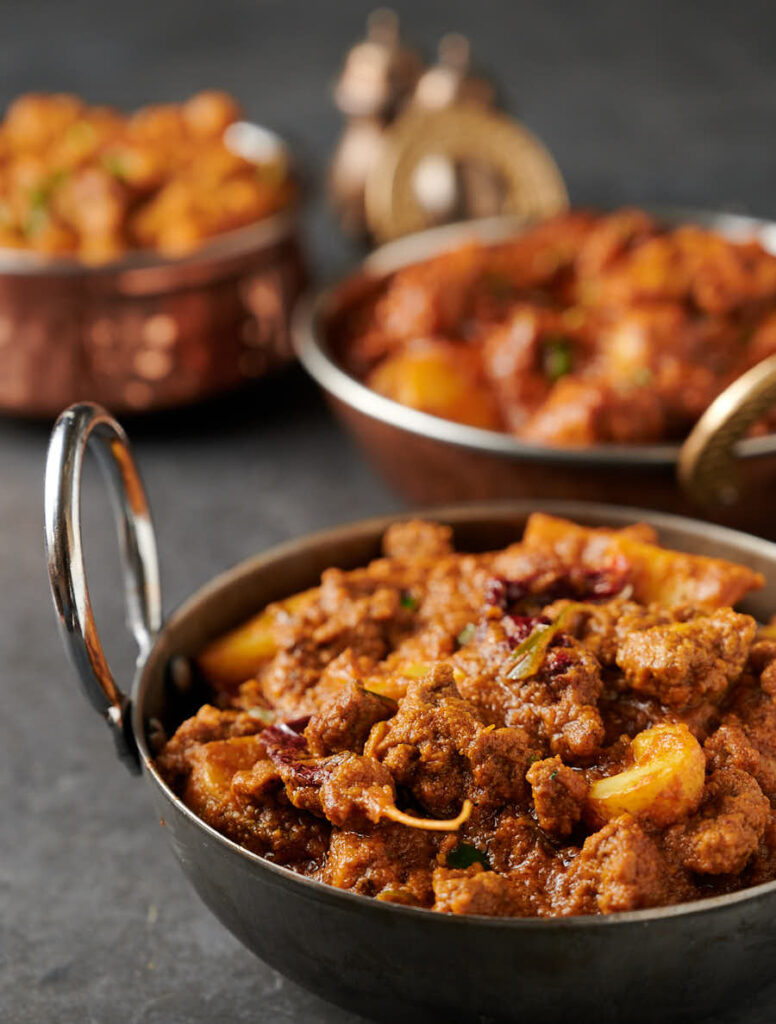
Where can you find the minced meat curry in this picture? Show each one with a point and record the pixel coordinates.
(577, 724)
(586, 329)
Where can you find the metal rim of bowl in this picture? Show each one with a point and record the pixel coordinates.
(321, 891)
(260, 234)
(313, 351)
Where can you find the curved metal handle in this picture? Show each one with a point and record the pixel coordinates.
(707, 461)
(73, 431)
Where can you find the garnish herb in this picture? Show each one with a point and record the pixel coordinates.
(464, 855)
(264, 715)
(557, 356)
(553, 774)
(114, 165)
(39, 200)
(408, 601)
(467, 634)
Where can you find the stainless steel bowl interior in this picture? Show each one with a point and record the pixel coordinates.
(314, 346)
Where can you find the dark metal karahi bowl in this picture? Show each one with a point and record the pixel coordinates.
(145, 332)
(430, 460)
(675, 963)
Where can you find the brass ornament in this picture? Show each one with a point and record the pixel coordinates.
(451, 79)
(508, 160)
(707, 462)
(381, 80)
(376, 81)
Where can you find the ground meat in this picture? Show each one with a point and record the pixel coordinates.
(728, 827)
(425, 745)
(475, 891)
(619, 868)
(387, 860)
(686, 663)
(762, 865)
(730, 747)
(497, 689)
(270, 827)
(208, 724)
(351, 790)
(558, 704)
(499, 759)
(602, 628)
(754, 708)
(558, 794)
(513, 845)
(344, 722)
(417, 539)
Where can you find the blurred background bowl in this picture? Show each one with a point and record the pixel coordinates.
(145, 333)
(429, 460)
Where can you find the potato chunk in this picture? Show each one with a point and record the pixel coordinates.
(664, 784)
(656, 574)
(438, 378)
(236, 656)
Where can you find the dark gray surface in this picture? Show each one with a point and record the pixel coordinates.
(658, 102)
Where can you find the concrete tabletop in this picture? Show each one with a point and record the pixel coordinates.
(660, 102)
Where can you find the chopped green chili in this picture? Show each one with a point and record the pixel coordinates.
(530, 653)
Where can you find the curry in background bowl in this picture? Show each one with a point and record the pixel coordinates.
(579, 723)
(91, 182)
(586, 329)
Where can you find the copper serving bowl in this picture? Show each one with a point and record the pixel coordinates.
(431, 460)
(145, 332)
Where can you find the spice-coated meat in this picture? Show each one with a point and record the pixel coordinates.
(579, 723)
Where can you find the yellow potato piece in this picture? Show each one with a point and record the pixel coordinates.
(439, 379)
(235, 657)
(664, 784)
(674, 577)
(655, 573)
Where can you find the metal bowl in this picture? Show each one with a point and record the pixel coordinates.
(145, 332)
(388, 961)
(431, 460)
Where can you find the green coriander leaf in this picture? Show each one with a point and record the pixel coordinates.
(557, 356)
(464, 855)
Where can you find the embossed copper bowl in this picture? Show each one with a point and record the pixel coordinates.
(146, 332)
(434, 461)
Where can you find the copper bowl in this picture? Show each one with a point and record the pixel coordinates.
(145, 332)
(432, 461)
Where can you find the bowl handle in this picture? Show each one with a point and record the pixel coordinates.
(74, 430)
(707, 460)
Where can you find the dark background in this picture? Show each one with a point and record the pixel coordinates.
(639, 102)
